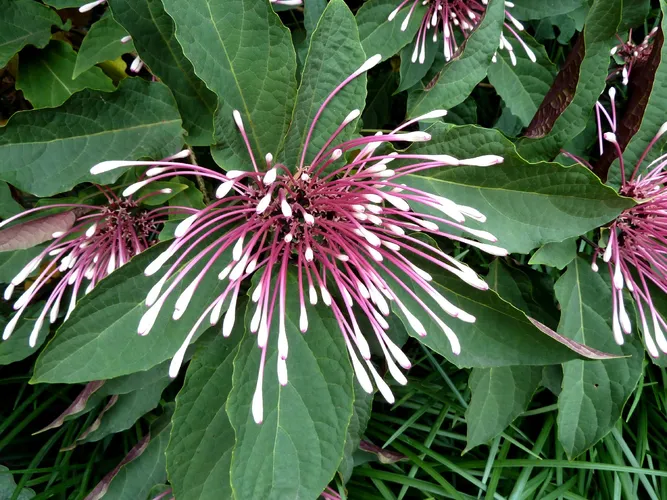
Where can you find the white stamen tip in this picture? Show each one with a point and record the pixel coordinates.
(184, 225)
(369, 64)
(270, 176)
(130, 190)
(263, 203)
(483, 161)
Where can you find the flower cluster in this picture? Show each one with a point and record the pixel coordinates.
(343, 225)
(632, 54)
(97, 241)
(636, 249)
(448, 16)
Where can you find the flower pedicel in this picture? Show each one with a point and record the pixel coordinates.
(344, 227)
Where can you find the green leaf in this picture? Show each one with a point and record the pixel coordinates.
(524, 85)
(143, 468)
(412, 73)
(635, 13)
(12, 262)
(127, 409)
(65, 4)
(245, 55)
(530, 9)
(106, 321)
(361, 414)
(557, 254)
(160, 199)
(652, 119)
(502, 335)
(334, 54)
(295, 452)
(200, 450)
(8, 205)
(101, 43)
(49, 151)
(312, 11)
(16, 347)
(153, 34)
(499, 395)
(527, 205)
(525, 289)
(381, 36)
(593, 392)
(24, 22)
(599, 37)
(45, 76)
(462, 74)
(8, 486)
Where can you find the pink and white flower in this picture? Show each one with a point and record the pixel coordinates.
(444, 17)
(636, 247)
(632, 54)
(343, 225)
(96, 241)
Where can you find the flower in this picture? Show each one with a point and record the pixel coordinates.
(96, 241)
(632, 54)
(636, 249)
(343, 225)
(465, 15)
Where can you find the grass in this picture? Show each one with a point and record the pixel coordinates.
(427, 427)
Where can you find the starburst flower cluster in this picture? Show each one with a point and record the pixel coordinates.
(636, 249)
(632, 54)
(100, 240)
(445, 17)
(343, 227)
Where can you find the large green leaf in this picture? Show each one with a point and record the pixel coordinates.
(48, 151)
(296, 450)
(153, 34)
(593, 392)
(8, 205)
(530, 9)
(142, 468)
(127, 409)
(379, 35)
(8, 486)
(527, 205)
(499, 395)
(502, 335)
(101, 43)
(106, 321)
(462, 74)
(45, 76)
(245, 55)
(525, 289)
(360, 416)
(558, 254)
(16, 347)
(24, 22)
(652, 119)
(334, 54)
(200, 450)
(312, 11)
(524, 85)
(599, 37)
